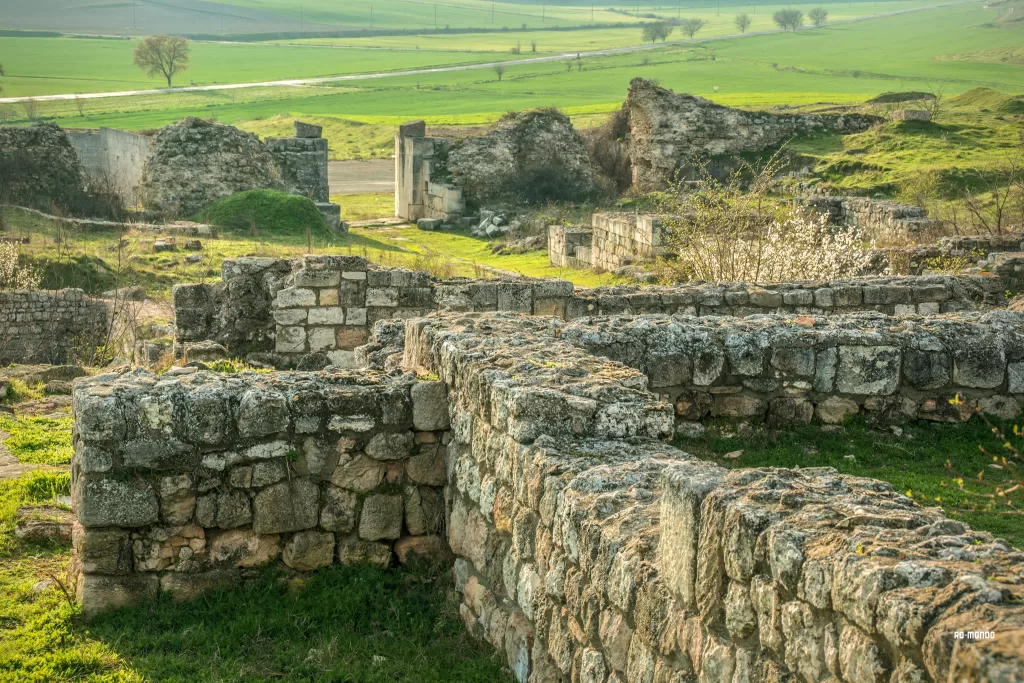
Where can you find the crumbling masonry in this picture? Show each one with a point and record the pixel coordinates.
(586, 548)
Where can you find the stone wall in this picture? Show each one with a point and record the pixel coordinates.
(569, 246)
(585, 548)
(298, 307)
(878, 219)
(613, 240)
(48, 327)
(669, 131)
(186, 481)
(114, 157)
(588, 551)
(39, 168)
(792, 369)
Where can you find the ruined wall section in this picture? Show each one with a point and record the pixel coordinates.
(877, 219)
(185, 482)
(49, 326)
(328, 304)
(792, 369)
(114, 158)
(588, 551)
(619, 239)
(420, 191)
(39, 168)
(669, 131)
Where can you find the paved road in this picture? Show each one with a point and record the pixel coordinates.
(444, 69)
(361, 177)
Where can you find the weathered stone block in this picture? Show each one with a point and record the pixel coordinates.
(353, 551)
(99, 593)
(307, 551)
(381, 517)
(430, 406)
(872, 370)
(430, 549)
(287, 506)
(339, 510)
(113, 502)
(262, 412)
(390, 446)
(293, 297)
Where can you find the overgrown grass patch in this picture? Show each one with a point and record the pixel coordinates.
(266, 211)
(34, 488)
(38, 440)
(912, 458)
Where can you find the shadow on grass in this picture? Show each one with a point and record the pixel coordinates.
(341, 624)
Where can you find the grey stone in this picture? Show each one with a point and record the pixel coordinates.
(872, 370)
(309, 550)
(287, 506)
(262, 412)
(381, 517)
(430, 406)
(390, 446)
(113, 502)
(339, 510)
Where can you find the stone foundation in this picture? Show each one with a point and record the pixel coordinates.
(48, 327)
(586, 549)
(187, 481)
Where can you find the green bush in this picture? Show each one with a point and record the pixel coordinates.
(266, 211)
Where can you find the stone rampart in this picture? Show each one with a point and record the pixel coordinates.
(49, 326)
(39, 168)
(328, 303)
(186, 481)
(792, 369)
(586, 549)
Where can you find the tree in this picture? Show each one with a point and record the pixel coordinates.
(500, 70)
(787, 19)
(657, 30)
(533, 46)
(166, 56)
(742, 22)
(818, 16)
(691, 26)
(2, 74)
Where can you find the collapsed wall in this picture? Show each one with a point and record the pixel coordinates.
(184, 482)
(39, 167)
(50, 326)
(878, 219)
(668, 131)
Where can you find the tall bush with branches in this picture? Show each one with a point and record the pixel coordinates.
(736, 231)
(13, 273)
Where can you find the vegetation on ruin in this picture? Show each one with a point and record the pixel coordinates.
(913, 458)
(267, 211)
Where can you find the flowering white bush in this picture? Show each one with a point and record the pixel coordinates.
(13, 275)
(727, 233)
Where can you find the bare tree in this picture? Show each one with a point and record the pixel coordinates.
(533, 46)
(80, 105)
(500, 70)
(166, 56)
(742, 22)
(655, 31)
(818, 16)
(691, 26)
(2, 74)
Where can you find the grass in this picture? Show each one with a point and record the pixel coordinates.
(269, 212)
(347, 139)
(33, 488)
(913, 462)
(38, 440)
(89, 258)
(362, 207)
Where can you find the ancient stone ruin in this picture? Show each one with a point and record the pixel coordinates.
(529, 156)
(585, 547)
(181, 169)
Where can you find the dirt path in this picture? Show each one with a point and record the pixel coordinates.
(445, 69)
(361, 177)
(11, 467)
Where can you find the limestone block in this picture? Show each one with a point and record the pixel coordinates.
(286, 506)
(244, 548)
(738, 405)
(164, 454)
(357, 472)
(102, 551)
(424, 510)
(794, 362)
(355, 316)
(872, 370)
(185, 587)
(290, 316)
(208, 417)
(328, 297)
(835, 410)
(428, 465)
(322, 338)
(293, 297)
(309, 550)
(113, 502)
(316, 278)
(381, 517)
(390, 446)
(430, 406)
(979, 363)
(267, 472)
(326, 316)
(290, 340)
(262, 412)
(177, 500)
(1015, 375)
(99, 593)
(339, 510)
(926, 369)
(382, 296)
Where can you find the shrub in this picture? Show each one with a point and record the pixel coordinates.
(14, 274)
(722, 232)
(271, 211)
